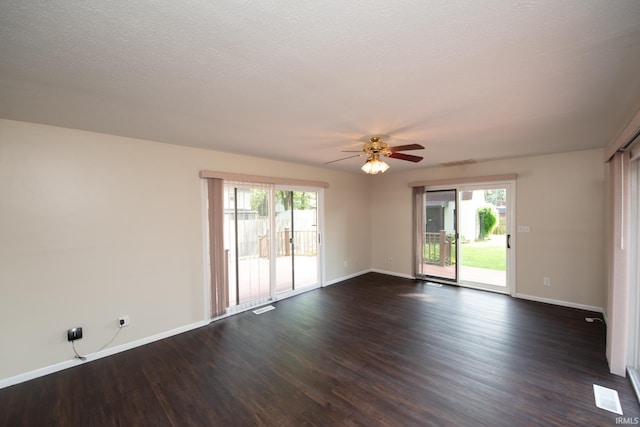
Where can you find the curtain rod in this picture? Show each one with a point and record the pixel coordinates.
(262, 179)
(470, 180)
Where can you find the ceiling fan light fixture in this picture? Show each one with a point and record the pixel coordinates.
(374, 165)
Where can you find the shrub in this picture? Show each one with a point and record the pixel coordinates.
(488, 217)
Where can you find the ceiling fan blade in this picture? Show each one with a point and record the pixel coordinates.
(406, 147)
(408, 157)
(351, 151)
(345, 158)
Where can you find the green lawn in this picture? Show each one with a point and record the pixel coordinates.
(484, 255)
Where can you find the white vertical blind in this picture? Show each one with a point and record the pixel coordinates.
(618, 274)
(246, 229)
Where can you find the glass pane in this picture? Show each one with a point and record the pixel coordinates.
(247, 242)
(297, 236)
(284, 239)
(483, 236)
(305, 242)
(439, 253)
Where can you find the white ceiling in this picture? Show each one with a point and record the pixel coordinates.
(302, 80)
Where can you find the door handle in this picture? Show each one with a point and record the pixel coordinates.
(508, 241)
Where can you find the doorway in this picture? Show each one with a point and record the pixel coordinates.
(271, 242)
(440, 234)
(297, 240)
(465, 238)
(485, 237)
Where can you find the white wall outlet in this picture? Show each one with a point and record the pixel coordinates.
(123, 321)
(546, 281)
(346, 264)
(523, 229)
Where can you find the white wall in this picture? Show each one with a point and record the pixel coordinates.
(559, 196)
(94, 226)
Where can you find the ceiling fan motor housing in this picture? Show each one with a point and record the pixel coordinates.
(375, 146)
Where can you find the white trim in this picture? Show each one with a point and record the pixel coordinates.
(561, 303)
(321, 235)
(393, 273)
(273, 243)
(454, 182)
(484, 287)
(634, 377)
(293, 293)
(633, 347)
(263, 302)
(343, 278)
(36, 373)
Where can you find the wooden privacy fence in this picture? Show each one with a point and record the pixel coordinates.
(437, 248)
(253, 240)
(304, 243)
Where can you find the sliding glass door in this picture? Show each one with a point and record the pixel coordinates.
(440, 232)
(297, 239)
(271, 243)
(246, 241)
(485, 236)
(463, 235)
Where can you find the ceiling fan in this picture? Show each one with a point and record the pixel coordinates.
(375, 148)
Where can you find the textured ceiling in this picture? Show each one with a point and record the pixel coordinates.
(303, 80)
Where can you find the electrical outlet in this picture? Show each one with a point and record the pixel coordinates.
(123, 321)
(546, 281)
(74, 334)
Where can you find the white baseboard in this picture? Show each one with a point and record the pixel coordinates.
(343, 278)
(559, 302)
(36, 373)
(392, 273)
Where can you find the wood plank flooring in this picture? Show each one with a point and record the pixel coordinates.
(371, 351)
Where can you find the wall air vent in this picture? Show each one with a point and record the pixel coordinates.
(459, 163)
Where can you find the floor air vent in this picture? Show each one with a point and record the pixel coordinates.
(264, 309)
(607, 399)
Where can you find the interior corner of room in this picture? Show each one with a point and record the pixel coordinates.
(84, 244)
(132, 210)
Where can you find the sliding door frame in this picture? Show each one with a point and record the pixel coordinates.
(510, 243)
(279, 183)
(633, 348)
(494, 181)
(455, 279)
(320, 252)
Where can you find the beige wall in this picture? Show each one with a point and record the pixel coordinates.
(95, 226)
(560, 197)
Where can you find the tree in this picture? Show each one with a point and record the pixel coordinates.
(301, 200)
(495, 197)
(259, 201)
(488, 217)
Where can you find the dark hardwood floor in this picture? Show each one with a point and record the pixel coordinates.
(373, 350)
